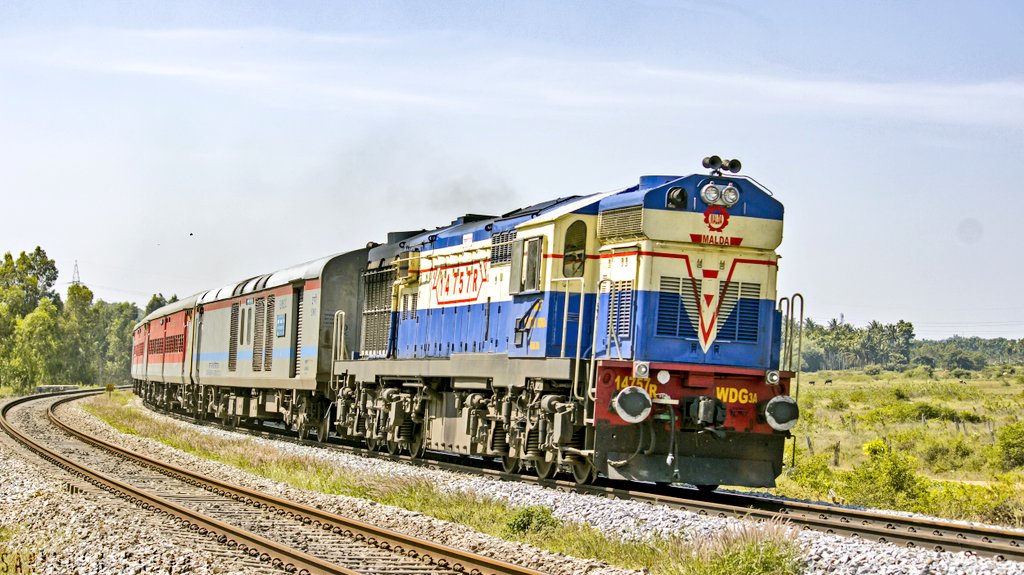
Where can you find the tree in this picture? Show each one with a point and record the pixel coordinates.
(156, 302)
(34, 274)
(36, 357)
(114, 346)
(81, 333)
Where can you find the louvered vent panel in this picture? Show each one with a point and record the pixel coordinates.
(621, 223)
(257, 341)
(501, 247)
(377, 311)
(233, 339)
(620, 309)
(739, 315)
(415, 300)
(299, 308)
(268, 342)
(678, 313)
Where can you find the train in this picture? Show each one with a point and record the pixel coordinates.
(633, 334)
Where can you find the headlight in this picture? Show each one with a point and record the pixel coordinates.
(730, 195)
(710, 194)
(781, 412)
(632, 404)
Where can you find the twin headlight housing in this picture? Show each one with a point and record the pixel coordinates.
(714, 194)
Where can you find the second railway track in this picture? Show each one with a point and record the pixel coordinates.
(914, 532)
(276, 531)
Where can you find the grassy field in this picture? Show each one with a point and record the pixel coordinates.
(920, 440)
(757, 549)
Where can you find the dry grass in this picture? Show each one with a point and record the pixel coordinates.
(753, 550)
(12, 559)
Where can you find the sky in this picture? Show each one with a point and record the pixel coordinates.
(175, 147)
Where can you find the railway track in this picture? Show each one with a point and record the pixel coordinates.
(277, 532)
(1000, 544)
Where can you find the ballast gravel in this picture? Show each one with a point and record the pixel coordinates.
(822, 553)
(54, 524)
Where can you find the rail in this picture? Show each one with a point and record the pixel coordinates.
(442, 555)
(935, 534)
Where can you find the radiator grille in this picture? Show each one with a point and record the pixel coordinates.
(620, 308)
(233, 339)
(678, 311)
(621, 223)
(298, 332)
(268, 341)
(377, 311)
(739, 314)
(409, 302)
(501, 247)
(257, 331)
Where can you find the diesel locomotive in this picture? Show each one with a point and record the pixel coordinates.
(632, 334)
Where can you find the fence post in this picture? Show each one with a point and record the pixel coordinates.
(835, 455)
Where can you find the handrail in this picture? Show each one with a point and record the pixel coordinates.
(338, 337)
(579, 329)
(593, 347)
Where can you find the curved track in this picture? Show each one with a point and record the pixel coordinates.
(938, 535)
(278, 532)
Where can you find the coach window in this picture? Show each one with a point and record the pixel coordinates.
(574, 256)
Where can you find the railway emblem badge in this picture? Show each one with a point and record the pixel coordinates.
(716, 218)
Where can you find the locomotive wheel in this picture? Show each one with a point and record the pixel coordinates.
(416, 445)
(545, 469)
(706, 488)
(323, 430)
(393, 447)
(509, 464)
(582, 471)
(372, 443)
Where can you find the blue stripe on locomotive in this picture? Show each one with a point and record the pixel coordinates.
(441, 332)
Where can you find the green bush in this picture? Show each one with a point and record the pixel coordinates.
(532, 519)
(887, 479)
(837, 403)
(904, 412)
(1011, 445)
(901, 393)
(813, 472)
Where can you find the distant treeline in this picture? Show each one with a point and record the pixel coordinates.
(838, 345)
(45, 339)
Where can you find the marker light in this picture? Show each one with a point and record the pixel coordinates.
(663, 377)
(642, 369)
(710, 194)
(730, 195)
(772, 377)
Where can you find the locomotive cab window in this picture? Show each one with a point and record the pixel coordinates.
(525, 275)
(575, 253)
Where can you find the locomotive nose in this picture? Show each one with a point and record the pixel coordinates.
(781, 412)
